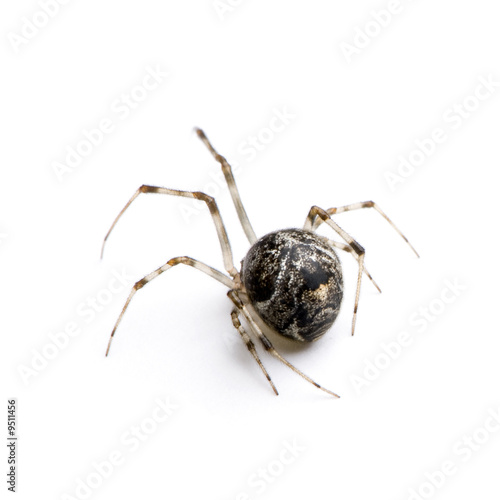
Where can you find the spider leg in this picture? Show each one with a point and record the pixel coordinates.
(347, 248)
(239, 302)
(235, 195)
(250, 345)
(214, 211)
(357, 206)
(222, 278)
(358, 250)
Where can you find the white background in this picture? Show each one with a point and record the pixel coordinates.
(351, 122)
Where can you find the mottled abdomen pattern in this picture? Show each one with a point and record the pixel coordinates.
(293, 279)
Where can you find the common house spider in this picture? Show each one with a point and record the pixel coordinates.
(290, 281)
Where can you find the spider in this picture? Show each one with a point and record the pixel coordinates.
(291, 280)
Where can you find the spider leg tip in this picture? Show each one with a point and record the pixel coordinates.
(102, 249)
(413, 248)
(336, 396)
(108, 348)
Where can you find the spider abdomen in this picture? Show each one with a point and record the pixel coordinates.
(293, 279)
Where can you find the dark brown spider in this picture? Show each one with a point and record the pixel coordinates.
(290, 281)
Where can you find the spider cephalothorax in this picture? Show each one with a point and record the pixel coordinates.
(291, 280)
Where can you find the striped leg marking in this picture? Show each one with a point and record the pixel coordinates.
(358, 250)
(250, 345)
(210, 271)
(233, 189)
(240, 305)
(357, 206)
(214, 211)
(347, 248)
